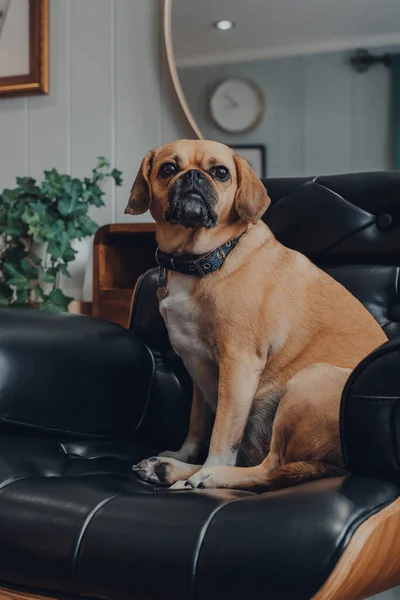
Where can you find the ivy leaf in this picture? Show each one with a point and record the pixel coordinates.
(116, 174)
(3, 216)
(38, 208)
(64, 242)
(87, 226)
(93, 197)
(50, 275)
(69, 255)
(64, 270)
(40, 233)
(102, 162)
(16, 277)
(56, 301)
(61, 249)
(22, 296)
(70, 205)
(38, 292)
(29, 270)
(54, 250)
(52, 185)
(14, 226)
(27, 187)
(72, 230)
(49, 278)
(6, 294)
(57, 229)
(73, 188)
(9, 196)
(39, 221)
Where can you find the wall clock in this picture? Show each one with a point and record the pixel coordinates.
(237, 105)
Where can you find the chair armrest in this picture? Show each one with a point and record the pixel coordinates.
(370, 415)
(72, 374)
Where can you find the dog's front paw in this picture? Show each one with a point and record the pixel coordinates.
(152, 470)
(187, 454)
(177, 455)
(209, 477)
(161, 470)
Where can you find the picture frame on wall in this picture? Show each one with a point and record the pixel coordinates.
(24, 47)
(256, 156)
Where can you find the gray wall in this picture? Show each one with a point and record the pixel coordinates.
(321, 117)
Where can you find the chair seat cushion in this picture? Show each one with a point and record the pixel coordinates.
(74, 520)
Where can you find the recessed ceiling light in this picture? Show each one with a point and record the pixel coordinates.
(224, 25)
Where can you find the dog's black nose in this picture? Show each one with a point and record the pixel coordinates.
(194, 175)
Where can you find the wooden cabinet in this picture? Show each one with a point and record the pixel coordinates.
(121, 253)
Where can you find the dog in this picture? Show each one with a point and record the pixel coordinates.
(268, 338)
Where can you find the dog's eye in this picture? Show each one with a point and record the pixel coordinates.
(220, 173)
(167, 170)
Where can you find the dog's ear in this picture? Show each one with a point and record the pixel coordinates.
(140, 197)
(251, 199)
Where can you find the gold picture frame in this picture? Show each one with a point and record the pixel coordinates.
(37, 80)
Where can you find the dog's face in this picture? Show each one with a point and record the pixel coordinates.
(195, 183)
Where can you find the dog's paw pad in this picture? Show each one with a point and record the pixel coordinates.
(151, 470)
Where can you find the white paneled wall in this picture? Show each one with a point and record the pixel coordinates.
(110, 94)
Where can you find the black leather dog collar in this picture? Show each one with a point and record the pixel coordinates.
(197, 265)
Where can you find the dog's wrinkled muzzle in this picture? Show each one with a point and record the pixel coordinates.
(191, 201)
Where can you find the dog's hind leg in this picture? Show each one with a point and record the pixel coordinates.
(305, 442)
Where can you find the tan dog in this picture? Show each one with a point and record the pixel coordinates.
(268, 339)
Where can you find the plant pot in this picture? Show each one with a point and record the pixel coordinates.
(73, 285)
(40, 250)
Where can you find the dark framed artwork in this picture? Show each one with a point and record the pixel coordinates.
(256, 156)
(24, 47)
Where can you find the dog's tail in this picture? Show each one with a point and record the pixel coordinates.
(300, 472)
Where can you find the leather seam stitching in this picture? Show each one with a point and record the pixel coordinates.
(355, 206)
(84, 528)
(347, 237)
(200, 542)
(296, 189)
(9, 481)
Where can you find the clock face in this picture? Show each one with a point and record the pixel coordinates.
(237, 105)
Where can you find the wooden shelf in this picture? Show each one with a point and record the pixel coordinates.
(122, 252)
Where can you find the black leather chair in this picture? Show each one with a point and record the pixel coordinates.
(81, 400)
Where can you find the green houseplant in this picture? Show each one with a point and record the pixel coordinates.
(54, 213)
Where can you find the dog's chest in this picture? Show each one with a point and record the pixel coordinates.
(182, 318)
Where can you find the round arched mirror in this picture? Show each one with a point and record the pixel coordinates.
(283, 81)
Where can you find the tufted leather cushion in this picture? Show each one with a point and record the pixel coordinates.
(59, 372)
(350, 226)
(74, 520)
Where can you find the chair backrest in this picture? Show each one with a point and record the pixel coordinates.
(349, 225)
